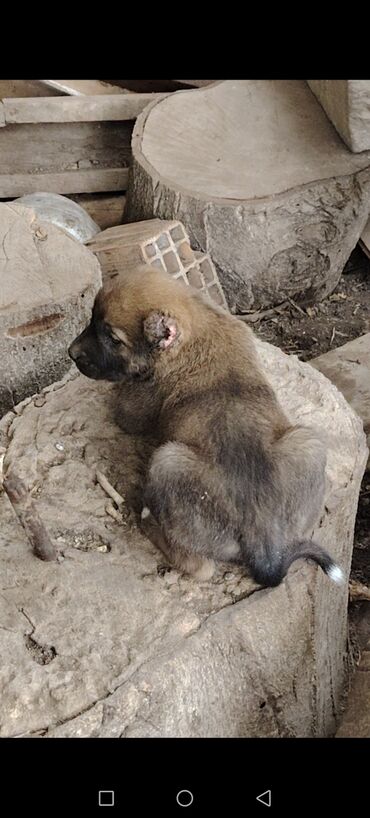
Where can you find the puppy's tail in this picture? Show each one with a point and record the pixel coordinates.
(309, 550)
(270, 568)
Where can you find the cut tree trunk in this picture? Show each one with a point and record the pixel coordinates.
(260, 180)
(48, 284)
(138, 653)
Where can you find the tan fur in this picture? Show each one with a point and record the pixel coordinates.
(229, 475)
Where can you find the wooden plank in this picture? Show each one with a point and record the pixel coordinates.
(26, 88)
(83, 87)
(78, 181)
(77, 109)
(55, 147)
(106, 209)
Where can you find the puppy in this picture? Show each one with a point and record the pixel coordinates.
(230, 478)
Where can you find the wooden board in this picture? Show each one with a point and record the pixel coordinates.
(18, 184)
(58, 147)
(82, 87)
(97, 108)
(26, 88)
(105, 209)
(66, 144)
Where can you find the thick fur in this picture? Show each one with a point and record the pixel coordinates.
(230, 478)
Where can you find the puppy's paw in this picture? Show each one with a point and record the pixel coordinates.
(205, 571)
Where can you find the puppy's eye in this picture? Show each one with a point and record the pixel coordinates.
(116, 341)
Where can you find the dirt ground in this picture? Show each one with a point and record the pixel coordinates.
(311, 332)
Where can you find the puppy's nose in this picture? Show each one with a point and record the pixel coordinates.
(76, 353)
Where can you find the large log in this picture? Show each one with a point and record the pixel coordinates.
(261, 181)
(118, 648)
(348, 367)
(48, 284)
(347, 104)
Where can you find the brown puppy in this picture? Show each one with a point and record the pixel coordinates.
(230, 478)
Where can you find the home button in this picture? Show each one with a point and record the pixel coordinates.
(184, 798)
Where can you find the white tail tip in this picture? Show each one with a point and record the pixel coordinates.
(336, 574)
(145, 513)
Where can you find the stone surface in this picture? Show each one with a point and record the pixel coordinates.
(347, 104)
(48, 284)
(260, 180)
(163, 244)
(100, 644)
(348, 367)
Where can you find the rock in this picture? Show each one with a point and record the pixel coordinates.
(101, 644)
(261, 181)
(163, 244)
(48, 284)
(348, 367)
(347, 104)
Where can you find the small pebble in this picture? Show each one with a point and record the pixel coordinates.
(172, 578)
(60, 447)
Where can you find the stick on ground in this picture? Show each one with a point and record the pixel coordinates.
(29, 518)
(109, 489)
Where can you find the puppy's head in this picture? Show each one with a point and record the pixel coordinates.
(137, 319)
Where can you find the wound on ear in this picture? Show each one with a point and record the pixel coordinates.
(160, 330)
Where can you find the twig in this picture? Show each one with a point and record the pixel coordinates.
(332, 337)
(29, 518)
(109, 507)
(296, 307)
(253, 317)
(109, 489)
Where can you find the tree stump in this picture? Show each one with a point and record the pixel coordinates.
(261, 181)
(48, 284)
(106, 644)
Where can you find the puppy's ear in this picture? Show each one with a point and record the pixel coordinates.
(160, 330)
(138, 366)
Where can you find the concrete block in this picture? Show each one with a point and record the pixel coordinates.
(163, 244)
